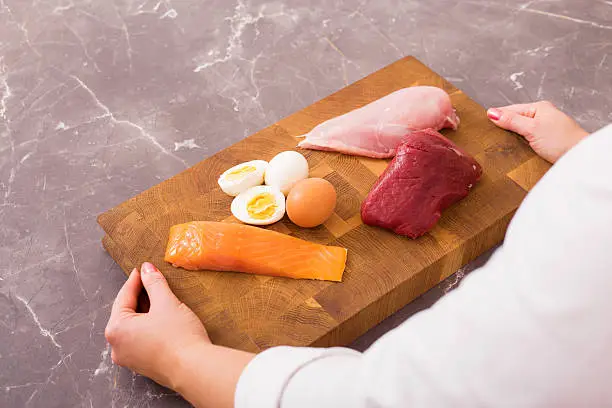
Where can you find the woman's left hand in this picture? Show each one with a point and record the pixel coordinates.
(153, 343)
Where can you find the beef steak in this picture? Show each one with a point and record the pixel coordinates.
(428, 174)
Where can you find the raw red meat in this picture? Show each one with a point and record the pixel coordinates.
(428, 174)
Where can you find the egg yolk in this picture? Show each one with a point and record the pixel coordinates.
(239, 172)
(262, 206)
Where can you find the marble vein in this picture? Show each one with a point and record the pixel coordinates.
(255, 97)
(71, 253)
(230, 84)
(92, 120)
(238, 22)
(61, 361)
(9, 388)
(541, 86)
(535, 51)
(114, 120)
(98, 19)
(43, 331)
(83, 47)
(172, 14)
(126, 34)
(26, 157)
(26, 107)
(186, 144)
(299, 76)
(67, 317)
(21, 26)
(568, 18)
(57, 101)
(140, 8)
(377, 31)
(9, 184)
(38, 264)
(343, 60)
(60, 9)
(514, 78)
(6, 90)
(104, 365)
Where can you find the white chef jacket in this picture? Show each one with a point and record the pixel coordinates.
(531, 328)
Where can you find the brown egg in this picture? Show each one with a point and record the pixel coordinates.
(311, 202)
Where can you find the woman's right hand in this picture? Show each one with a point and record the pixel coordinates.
(549, 131)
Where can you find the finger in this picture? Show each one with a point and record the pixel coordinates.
(510, 120)
(157, 287)
(524, 109)
(127, 298)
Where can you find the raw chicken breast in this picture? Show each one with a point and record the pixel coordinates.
(377, 129)
(428, 174)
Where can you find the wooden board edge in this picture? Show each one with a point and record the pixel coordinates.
(113, 250)
(353, 327)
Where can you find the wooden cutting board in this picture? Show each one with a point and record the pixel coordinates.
(384, 271)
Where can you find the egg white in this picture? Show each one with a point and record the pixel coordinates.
(286, 169)
(235, 186)
(239, 205)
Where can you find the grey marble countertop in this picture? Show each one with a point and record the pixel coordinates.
(101, 99)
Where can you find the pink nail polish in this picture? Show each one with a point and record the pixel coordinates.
(147, 268)
(494, 114)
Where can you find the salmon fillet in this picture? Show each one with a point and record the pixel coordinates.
(241, 248)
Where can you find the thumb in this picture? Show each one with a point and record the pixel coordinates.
(157, 287)
(511, 120)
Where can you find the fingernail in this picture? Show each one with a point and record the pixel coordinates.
(494, 114)
(148, 268)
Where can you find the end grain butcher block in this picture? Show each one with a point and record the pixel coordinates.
(384, 271)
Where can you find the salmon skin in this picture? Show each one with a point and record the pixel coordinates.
(222, 246)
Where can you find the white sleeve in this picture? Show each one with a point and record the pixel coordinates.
(533, 327)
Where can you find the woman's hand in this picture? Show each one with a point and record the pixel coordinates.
(153, 343)
(170, 345)
(549, 131)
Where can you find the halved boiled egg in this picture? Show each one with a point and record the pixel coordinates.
(259, 205)
(242, 177)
